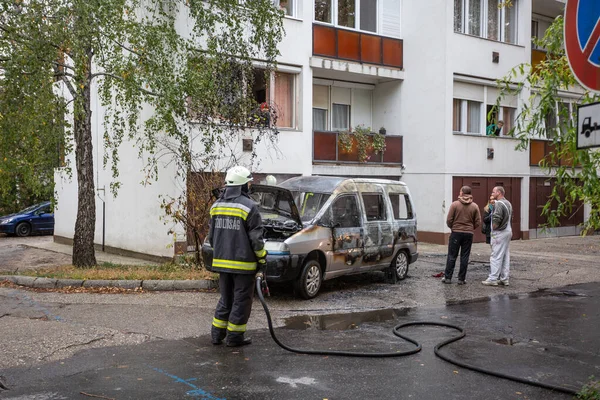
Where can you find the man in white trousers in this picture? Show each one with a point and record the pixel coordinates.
(501, 235)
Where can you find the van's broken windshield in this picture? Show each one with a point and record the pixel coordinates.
(309, 203)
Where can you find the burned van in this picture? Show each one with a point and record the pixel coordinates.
(319, 228)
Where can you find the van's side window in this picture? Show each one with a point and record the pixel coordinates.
(374, 207)
(345, 212)
(401, 206)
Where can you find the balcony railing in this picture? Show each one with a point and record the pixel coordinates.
(344, 44)
(326, 149)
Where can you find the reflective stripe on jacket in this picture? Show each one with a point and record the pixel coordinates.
(236, 233)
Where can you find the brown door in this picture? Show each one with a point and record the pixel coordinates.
(481, 188)
(540, 190)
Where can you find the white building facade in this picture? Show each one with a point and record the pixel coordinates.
(425, 71)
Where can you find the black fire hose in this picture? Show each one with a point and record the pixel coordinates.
(262, 285)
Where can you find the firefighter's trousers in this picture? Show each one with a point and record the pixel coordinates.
(234, 307)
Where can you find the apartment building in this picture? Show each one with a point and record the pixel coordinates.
(425, 71)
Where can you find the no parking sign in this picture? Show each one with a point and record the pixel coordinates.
(582, 41)
(582, 44)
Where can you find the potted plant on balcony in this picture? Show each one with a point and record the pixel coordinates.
(365, 142)
(382, 130)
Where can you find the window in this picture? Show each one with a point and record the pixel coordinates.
(377, 16)
(323, 11)
(368, 15)
(345, 213)
(275, 96)
(340, 114)
(346, 13)
(319, 119)
(474, 21)
(287, 6)
(283, 99)
(473, 117)
(456, 115)
(509, 115)
(401, 206)
(374, 207)
(490, 19)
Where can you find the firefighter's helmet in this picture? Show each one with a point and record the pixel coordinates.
(237, 176)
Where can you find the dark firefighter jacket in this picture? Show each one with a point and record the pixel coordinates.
(236, 233)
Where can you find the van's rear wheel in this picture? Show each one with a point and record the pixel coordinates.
(309, 282)
(400, 265)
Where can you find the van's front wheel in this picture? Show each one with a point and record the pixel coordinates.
(400, 265)
(309, 282)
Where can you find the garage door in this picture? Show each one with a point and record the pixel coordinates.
(482, 188)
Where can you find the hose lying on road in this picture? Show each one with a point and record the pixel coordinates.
(396, 329)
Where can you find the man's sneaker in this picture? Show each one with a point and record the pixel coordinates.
(461, 282)
(446, 280)
(488, 282)
(503, 282)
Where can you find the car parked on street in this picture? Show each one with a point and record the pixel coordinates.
(317, 228)
(38, 218)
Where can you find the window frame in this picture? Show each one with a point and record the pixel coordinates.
(407, 203)
(357, 17)
(483, 21)
(294, 8)
(382, 207)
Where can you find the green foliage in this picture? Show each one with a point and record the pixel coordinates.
(190, 62)
(542, 116)
(365, 142)
(591, 391)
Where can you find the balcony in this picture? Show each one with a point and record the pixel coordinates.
(344, 44)
(326, 149)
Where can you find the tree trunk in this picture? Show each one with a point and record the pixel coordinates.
(85, 225)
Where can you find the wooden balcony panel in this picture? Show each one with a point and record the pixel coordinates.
(324, 146)
(334, 42)
(393, 150)
(392, 52)
(324, 41)
(326, 149)
(370, 49)
(348, 45)
(536, 151)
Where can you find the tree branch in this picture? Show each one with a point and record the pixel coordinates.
(107, 74)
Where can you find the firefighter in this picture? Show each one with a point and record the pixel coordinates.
(236, 236)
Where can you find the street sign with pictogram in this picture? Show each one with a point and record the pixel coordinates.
(588, 126)
(582, 41)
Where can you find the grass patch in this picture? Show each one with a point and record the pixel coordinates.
(109, 271)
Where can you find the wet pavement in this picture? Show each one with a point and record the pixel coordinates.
(548, 336)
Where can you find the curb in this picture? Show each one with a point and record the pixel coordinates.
(148, 285)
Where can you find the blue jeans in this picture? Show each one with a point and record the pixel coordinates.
(458, 241)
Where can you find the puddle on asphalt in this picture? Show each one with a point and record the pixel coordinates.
(342, 322)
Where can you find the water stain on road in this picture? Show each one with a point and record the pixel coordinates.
(341, 322)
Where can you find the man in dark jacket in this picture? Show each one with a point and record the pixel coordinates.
(463, 218)
(236, 236)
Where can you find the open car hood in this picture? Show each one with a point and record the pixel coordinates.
(276, 200)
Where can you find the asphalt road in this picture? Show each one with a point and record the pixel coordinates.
(155, 345)
(549, 337)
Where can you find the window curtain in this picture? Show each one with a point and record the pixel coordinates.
(475, 17)
(284, 97)
(493, 23)
(368, 15)
(456, 122)
(510, 23)
(341, 117)
(473, 117)
(319, 119)
(458, 15)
